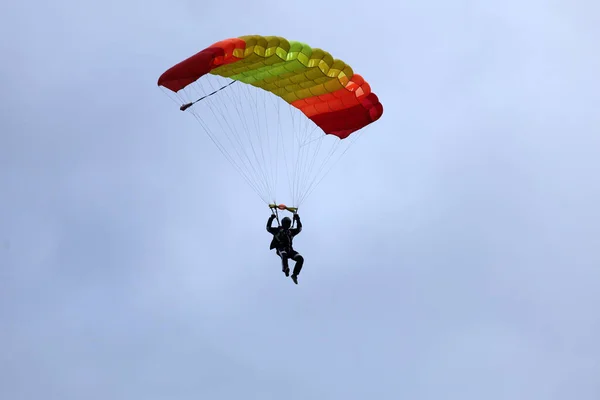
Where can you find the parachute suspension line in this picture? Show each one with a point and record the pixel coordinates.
(254, 166)
(260, 174)
(268, 171)
(309, 166)
(229, 130)
(249, 168)
(188, 105)
(287, 166)
(279, 133)
(269, 133)
(241, 114)
(307, 162)
(300, 127)
(306, 131)
(293, 161)
(224, 151)
(325, 160)
(175, 97)
(272, 136)
(275, 131)
(273, 165)
(308, 155)
(260, 166)
(355, 137)
(304, 163)
(258, 171)
(308, 140)
(300, 157)
(312, 164)
(260, 100)
(227, 155)
(314, 167)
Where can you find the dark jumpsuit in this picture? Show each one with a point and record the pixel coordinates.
(283, 244)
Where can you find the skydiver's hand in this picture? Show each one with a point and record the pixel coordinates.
(272, 217)
(296, 217)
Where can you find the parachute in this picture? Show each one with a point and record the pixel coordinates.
(275, 108)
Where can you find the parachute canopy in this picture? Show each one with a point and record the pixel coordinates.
(324, 89)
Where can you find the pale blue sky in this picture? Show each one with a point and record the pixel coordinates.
(453, 253)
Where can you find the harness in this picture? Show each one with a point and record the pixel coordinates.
(284, 239)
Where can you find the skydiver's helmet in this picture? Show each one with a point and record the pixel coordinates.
(286, 222)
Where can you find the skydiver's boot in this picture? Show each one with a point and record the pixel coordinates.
(295, 279)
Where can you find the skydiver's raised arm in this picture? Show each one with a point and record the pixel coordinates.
(270, 229)
(297, 230)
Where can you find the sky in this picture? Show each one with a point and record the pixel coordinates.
(452, 253)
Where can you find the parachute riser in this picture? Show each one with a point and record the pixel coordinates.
(276, 216)
(275, 207)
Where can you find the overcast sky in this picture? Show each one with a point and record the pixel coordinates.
(453, 253)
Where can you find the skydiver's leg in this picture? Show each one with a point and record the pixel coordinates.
(298, 267)
(299, 263)
(284, 262)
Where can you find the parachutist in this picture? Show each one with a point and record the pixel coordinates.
(283, 237)
(322, 93)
